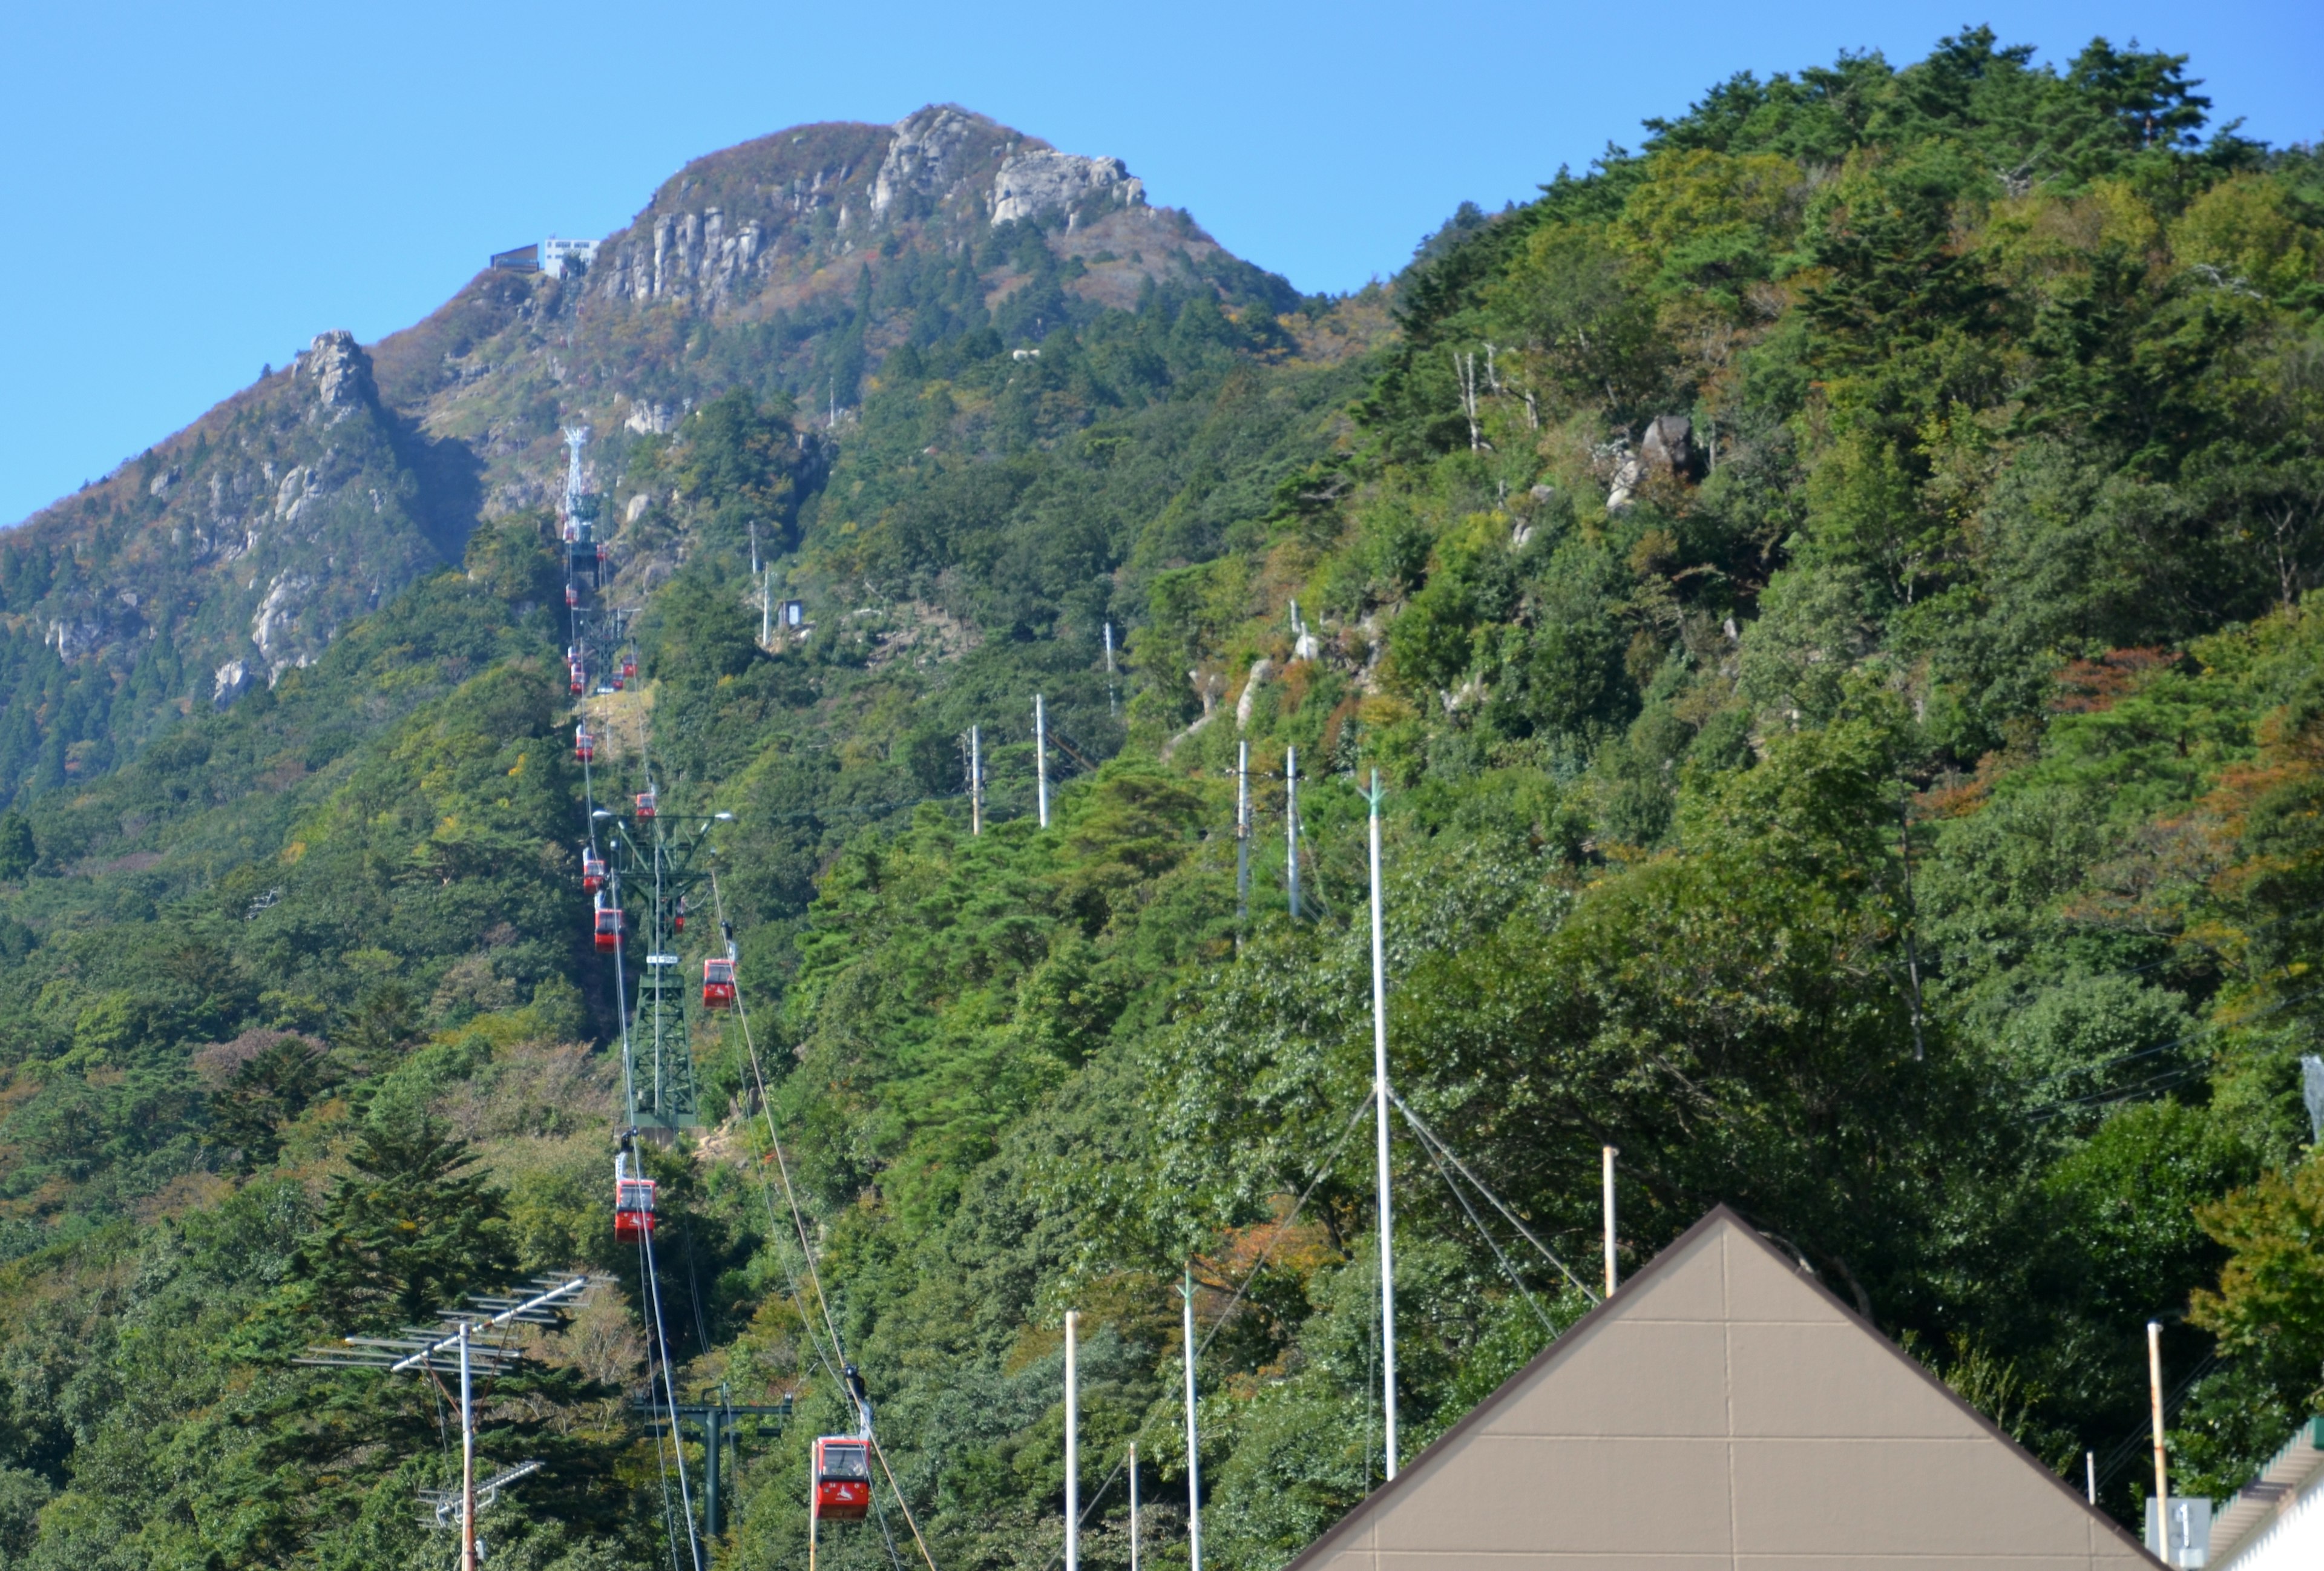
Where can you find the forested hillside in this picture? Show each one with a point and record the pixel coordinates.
(1827, 594)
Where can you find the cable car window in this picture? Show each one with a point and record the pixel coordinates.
(845, 1464)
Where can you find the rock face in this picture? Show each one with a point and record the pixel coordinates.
(341, 374)
(1669, 446)
(1048, 181)
(927, 158)
(236, 550)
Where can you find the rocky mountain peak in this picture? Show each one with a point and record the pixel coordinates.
(928, 154)
(340, 373)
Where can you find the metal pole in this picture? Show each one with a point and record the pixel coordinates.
(468, 1460)
(975, 783)
(1041, 755)
(1380, 1099)
(1613, 1274)
(1291, 825)
(1133, 1506)
(1242, 831)
(1193, 1455)
(2162, 1545)
(714, 1440)
(1112, 704)
(1073, 1447)
(2090, 1476)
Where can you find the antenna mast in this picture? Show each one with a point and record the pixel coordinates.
(1380, 1096)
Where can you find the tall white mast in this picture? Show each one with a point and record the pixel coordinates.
(1380, 1099)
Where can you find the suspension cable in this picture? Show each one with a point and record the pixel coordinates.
(669, 1390)
(902, 1504)
(767, 1107)
(1490, 1241)
(1429, 1136)
(774, 1142)
(662, 1463)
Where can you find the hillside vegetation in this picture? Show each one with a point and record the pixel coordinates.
(1829, 595)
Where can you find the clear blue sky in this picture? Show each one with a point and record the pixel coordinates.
(191, 191)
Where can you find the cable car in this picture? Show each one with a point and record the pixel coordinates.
(572, 594)
(609, 925)
(629, 666)
(718, 984)
(680, 914)
(619, 681)
(585, 746)
(633, 1202)
(646, 803)
(592, 872)
(842, 1478)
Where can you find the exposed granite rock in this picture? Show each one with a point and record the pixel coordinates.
(1043, 180)
(925, 156)
(340, 373)
(1669, 446)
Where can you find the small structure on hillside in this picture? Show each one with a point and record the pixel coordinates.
(1724, 1409)
(552, 257)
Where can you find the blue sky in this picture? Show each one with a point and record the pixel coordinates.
(192, 192)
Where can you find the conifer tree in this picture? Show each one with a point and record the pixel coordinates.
(407, 1228)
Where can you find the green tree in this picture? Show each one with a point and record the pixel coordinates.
(17, 850)
(406, 1229)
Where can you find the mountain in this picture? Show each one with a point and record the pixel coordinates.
(236, 550)
(1824, 606)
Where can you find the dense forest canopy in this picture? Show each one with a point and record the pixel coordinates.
(1826, 593)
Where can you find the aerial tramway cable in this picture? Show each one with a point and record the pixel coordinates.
(807, 1253)
(669, 1390)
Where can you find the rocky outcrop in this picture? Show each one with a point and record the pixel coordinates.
(339, 374)
(926, 157)
(1043, 180)
(1669, 447)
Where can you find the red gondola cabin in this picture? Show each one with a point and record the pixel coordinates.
(585, 746)
(629, 666)
(718, 984)
(572, 594)
(842, 1478)
(634, 1206)
(645, 804)
(592, 872)
(609, 926)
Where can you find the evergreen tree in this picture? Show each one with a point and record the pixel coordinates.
(407, 1229)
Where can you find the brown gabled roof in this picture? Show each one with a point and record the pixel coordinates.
(1724, 1406)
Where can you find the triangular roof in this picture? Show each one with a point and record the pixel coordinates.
(1722, 1409)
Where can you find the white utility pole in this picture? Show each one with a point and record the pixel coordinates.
(2090, 1476)
(1242, 831)
(1193, 1455)
(1041, 756)
(468, 1460)
(1380, 1099)
(975, 783)
(1112, 705)
(1291, 825)
(1606, 1155)
(1073, 1448)
(1133, 1506)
